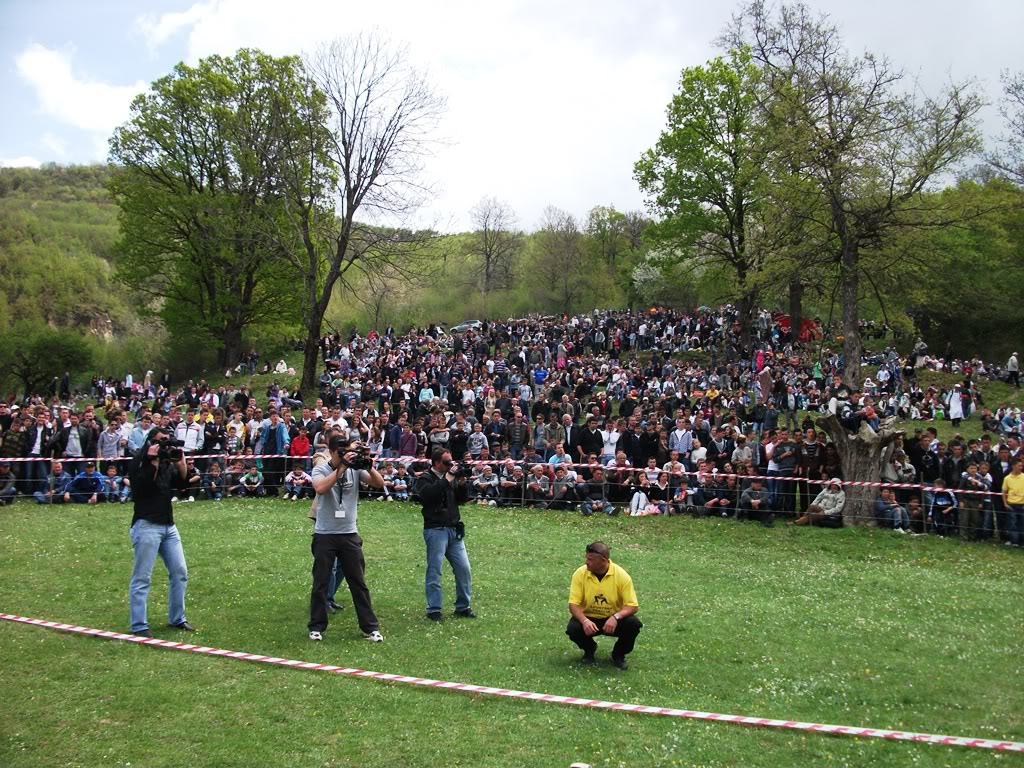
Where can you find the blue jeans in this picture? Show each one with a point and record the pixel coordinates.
(443, 543)
(590, 506)
(149, 540)
(1015, 522)
(36, 473)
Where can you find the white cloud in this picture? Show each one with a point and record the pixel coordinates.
(25, 161)
(554, 102)
(55, 144)
(87, 104)
(157, 30)
(548, 103)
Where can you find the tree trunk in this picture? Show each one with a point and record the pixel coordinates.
(747, 301)
(310, 360)
(796, 307)
(861, 457)
(852, 346)
(231, 349)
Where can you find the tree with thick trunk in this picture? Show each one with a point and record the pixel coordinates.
(860, 456)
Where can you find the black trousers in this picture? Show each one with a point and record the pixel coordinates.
(347, 548)
(273, 475)
(625, 632)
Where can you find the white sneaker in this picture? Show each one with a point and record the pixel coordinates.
(492, 503)
(191, 498)
(374, 637)
(174, 498)
(899, 530)
(315, 636)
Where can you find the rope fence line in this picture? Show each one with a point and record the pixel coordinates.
(642, 709)
(504, 462)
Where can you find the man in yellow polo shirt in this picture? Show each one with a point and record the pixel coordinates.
(1013, 498)
(602, 601)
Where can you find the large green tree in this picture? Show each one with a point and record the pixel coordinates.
(860, 149)
(34, 354)
(703, 177)
(196, 188)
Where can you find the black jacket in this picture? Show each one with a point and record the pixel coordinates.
(153, 485)
(59, 444)
(440, 500)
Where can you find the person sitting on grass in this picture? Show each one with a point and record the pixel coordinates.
(401, 487)
(297, 483)
(55, 490)
(214, 483)
(755, 504)
(538, 487)
(563, 489)
(251, 483)
(889, 514)
(826, 510)
(87, 485)
(687, 500)
(602, 601)
(8, 484)
(233, 479)
(112, 486)
(485, 487)
(594, 495)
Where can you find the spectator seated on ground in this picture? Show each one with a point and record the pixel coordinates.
(889, 514)
(756, 504)
(827, 508)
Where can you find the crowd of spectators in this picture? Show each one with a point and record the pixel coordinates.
(659, 412)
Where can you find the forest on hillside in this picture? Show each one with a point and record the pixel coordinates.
(58, 267)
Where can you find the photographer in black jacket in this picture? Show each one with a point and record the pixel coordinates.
(156, 475)
(441, 489)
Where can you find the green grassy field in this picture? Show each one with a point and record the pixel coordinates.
(855, 627)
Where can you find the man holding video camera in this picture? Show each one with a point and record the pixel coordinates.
(336, 483)
(441, 489)
(157, 474)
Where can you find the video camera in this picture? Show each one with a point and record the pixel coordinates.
(462, 471)
(170, 450)
(362, 459)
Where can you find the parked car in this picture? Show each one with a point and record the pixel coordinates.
(468, 325)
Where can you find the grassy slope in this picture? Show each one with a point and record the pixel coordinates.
(854, 627)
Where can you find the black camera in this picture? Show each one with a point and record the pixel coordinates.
(170, 450)
(362, 459)
(462, 471)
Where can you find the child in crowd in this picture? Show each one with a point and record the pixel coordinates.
(213, 483)
(112, 486)
(297, 483)
(233, 479)
(251, 483)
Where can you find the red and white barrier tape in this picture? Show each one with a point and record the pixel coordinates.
(763, 722)
(605, 467)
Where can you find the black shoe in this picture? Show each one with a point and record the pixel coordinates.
(184, 627)
(333, 606)
(620, 662)
(435, 616)
(466, 614)
(143, 633)
(588, 658)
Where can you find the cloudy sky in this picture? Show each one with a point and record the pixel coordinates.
(549, 102)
